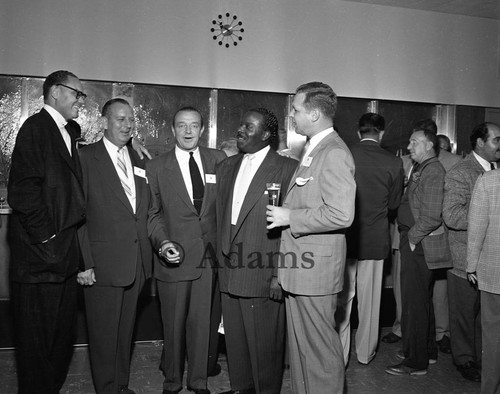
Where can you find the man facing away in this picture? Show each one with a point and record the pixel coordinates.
(464, 299)
(379, 180)
(46, 195)
(254, 314)
(115, 246)
(182, 227)
(318, 208)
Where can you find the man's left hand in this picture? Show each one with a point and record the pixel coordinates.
(275, 291)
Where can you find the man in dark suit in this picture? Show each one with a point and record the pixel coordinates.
(379, 186)
(317, 210)
(464, 299)
(253, 312)
(182, 227)
(115, 246)
(424, 248)
(45, 192)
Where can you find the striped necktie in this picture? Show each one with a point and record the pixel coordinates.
(123, 172)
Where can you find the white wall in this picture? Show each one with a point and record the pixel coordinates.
(362, 50)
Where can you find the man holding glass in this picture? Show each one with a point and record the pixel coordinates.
(252, 308)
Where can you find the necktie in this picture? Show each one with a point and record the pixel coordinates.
(492, 166)
(241, 187)
(122, 173)
(197, 182)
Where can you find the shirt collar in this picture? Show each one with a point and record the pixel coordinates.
(484, 163)
(260, 154)
(315, 140)
(58, 118)
(185, 154)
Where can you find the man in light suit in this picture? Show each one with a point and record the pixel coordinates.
(182, 227)
(464, 299)
(318, 208)
(115, 246)
(379, 180)
(483, 269)
(424, 248)
(46, 195)
(254, 315)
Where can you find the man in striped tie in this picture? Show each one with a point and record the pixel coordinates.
(115, 246)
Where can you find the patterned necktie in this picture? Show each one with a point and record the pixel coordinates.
(120, 161)
(197, 183)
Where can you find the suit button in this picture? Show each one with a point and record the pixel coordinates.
(199, 219)
(135, 241)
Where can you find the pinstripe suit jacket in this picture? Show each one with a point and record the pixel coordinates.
(458, 185)
(248, 253)
(483, 249)
(425, 194)
(321, 211)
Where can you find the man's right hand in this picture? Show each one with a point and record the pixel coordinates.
(86, 278)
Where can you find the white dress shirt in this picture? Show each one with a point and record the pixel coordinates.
(61, 123)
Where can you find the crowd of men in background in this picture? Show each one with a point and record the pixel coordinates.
(96, 216)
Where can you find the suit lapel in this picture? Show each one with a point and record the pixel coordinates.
(266, 173)
(107, 170)
(208, 168)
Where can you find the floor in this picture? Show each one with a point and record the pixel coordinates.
(146, 378)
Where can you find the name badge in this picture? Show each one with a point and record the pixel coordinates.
(140, 172)
(210, 178)
(307, 161)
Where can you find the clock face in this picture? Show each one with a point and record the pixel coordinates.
(227, 30)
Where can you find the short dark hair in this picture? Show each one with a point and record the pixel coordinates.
(109, 103)
(319, 95)
(480, 131)
(270, 121)
(371, 123)
(56, 78)
(429, 127)
(187, 109)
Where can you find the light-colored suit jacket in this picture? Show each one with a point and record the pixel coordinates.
(483, 249)
(322, 209)
(458, 185)
(173, 217)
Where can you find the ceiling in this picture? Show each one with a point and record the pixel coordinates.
(479, 8)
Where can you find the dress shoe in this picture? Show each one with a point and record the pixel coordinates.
(402, 370)
(469, 371)
(400, 355)
(125, 390)
(215, 371)
(165, 391)
(444, 345)
(391, 338)
(198, 391)
(247, 391)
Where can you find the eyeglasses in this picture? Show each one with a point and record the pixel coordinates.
(79, 94)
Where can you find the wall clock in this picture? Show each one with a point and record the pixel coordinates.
(227, 30)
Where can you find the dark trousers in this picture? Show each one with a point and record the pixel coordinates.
(215, 317)
(44, 323)
(417, 320)
(490, 320)
(111, 313)
(465, 320)
(255, 342)
(185, 313)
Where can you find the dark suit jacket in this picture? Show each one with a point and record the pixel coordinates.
(425, 194)
(113, 234)
(246, 268)
(46, 194)
(379, 186)
(173, 216)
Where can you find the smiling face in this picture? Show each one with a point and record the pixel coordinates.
(420, 147)
(119, 124)
(187, 130)
(65, 101)
(251, 136)
(299, 115)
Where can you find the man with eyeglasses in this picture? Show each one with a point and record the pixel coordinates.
(46, 195)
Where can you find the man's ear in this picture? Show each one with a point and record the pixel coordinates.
(359, 134)
(202, 130)
(103, 123)
(314, 114)
(381, 135)
(480, 142)
(265, 135)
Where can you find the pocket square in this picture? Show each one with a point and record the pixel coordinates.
(302, 181)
